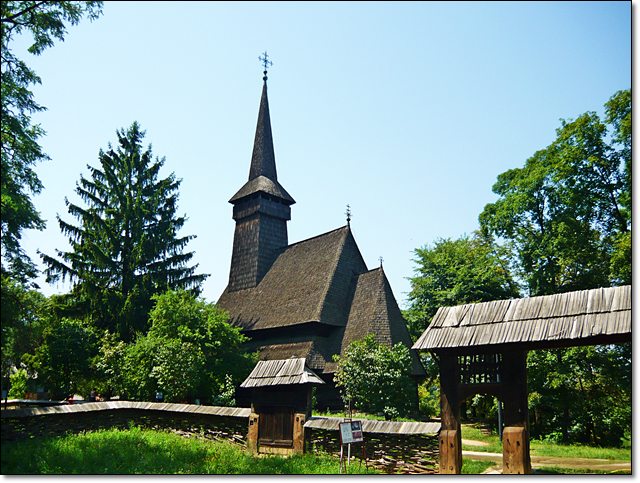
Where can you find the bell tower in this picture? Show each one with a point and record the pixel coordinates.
(261, 208)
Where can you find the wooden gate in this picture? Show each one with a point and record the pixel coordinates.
(276, 427)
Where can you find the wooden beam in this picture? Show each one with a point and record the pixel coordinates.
(252, 435)
(451, 439)
(515, 438)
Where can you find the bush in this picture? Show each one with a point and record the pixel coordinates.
(18, 381)
(376, 378)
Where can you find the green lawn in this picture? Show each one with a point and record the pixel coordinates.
(475, 467)
(552, 470)
(140, 451)
(543, 448)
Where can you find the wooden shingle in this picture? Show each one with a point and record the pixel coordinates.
(565, 318)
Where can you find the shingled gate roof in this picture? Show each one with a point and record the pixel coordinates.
(281, 372)
(601, 315)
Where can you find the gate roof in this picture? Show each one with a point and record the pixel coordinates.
(585, 317)
(281, 372)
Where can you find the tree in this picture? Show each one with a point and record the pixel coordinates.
(63, 361)
(23, 321)
(452, 272)
(126, 247)
(190, 352)
(581, 394)
(376, 378)
(20, 149)
(566, 214)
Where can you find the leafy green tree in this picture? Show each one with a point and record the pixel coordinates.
(190, 351)
(566, 214)
(18, 388)
(376, 378)
(581, 394)
(452, 272)
(136, 381)
(126, 246)
(63, 361)
(108, 365)
(22, 313)
(46, 22)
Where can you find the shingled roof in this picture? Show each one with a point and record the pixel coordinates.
(281, 372)
(601, 315)
(374, 310)
(309, 282)
(266, 185)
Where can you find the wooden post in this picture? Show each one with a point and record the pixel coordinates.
(298, 432)
(252, 434)
(516, 457)
(450, 435)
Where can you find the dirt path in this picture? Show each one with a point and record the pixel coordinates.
(470, 442)
(549, 461)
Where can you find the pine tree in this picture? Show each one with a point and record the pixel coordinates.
(125, 247)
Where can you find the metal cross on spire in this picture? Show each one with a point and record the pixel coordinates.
(348, 213)
(381, 260)
(264, 60)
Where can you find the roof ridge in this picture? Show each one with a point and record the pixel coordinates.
(314, 237)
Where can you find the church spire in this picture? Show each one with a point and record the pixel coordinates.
(261, 208)
(263, 160)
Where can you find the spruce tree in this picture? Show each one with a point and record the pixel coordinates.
(125, 247)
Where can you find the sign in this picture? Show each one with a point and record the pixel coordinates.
(351, 432)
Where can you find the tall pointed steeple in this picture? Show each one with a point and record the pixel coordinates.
(263, 160)
(261, 209)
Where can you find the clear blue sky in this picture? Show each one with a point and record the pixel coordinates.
(406, 111)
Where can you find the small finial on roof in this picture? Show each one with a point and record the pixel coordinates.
(381, 260)
(264, 59)
(348, 213)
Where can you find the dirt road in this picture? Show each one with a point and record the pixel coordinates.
(552, 461)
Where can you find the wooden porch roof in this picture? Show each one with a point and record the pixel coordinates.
(585, 317)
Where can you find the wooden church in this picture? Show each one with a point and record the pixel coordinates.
(308, 299)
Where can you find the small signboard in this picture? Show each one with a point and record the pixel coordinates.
(351, 432)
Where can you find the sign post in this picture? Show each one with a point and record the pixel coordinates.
(350, 432)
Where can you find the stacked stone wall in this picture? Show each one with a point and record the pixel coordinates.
(397, 452)
(185, 420)
(388, 452)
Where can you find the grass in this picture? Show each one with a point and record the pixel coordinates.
(141, 451)
(553, 470)
(475, 467)
(543, 448)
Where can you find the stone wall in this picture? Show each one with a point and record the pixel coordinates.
(392, 447)
(187, 420)
(392, 450)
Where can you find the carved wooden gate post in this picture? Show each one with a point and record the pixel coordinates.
(450, 435)
(515, 439)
